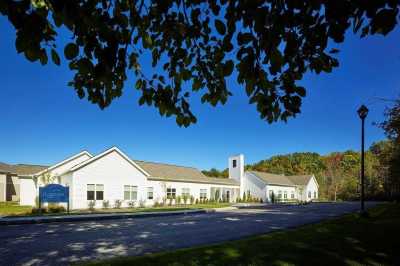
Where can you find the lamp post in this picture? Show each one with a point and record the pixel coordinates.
(362, 113)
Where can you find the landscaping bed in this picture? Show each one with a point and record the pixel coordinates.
(25, 211)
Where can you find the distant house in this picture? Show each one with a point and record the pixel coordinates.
(268, 187)
(113, 176)
(10, 179)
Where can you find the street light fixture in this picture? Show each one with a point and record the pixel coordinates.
(362, 113)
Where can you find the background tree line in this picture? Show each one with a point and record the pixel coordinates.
(338, 173)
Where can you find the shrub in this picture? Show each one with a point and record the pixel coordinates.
(197, 201)
(131, 204)
(178, 200)
(142, 203)
(117, 204)
(106, 204)
(38, 210)
(157, 204)
(56, 209)
(261, 200)
(191, 199)
(91, 205)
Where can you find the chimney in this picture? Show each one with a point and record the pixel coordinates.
(236, 169)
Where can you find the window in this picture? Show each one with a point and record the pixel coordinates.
(285, 194)
(95, 192)
(186, 192)
(150, 193)
(99, 192)
(171, 193)
(309, 194)
(234, 164)
(130, 192)
(203, 194)
(315, 194)
(279, 194)
(292, 195)
(90, 192)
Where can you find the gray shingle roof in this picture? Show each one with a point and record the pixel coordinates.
(273, 179)
(21, 169)
(169, 172)
(292, 180)
(300, 180)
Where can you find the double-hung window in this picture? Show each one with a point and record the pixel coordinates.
(285, 194)
(279, 194)
(130, 192)
(95, 192)
(171, 193)
(315, 194)
(309, 194)
(203, 194)
(150, 192)
(292, 195)
(186, 192)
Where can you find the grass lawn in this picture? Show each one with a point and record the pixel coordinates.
(11, 208)
(26, 210)
(349, 240)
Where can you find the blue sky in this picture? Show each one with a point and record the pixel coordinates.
(43, 121)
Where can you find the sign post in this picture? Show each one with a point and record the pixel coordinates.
(54, 193)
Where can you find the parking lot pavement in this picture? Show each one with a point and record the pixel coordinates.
(63, 243)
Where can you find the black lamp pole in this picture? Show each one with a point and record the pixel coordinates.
(362, 112)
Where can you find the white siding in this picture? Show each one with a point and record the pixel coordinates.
(312, 187)
(161, 186)
(255, 185)
(112, 171)
(68, 165)
(275, 188)
(28, 191)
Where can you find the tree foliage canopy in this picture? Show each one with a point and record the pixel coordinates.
(194, 46)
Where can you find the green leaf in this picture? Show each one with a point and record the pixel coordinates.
(301, 91)
(147, 41)
(244, 38)
(71, 51)
(228, 68)
(220, 26)
(55, 57)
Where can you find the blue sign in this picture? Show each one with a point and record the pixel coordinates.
(54, 193)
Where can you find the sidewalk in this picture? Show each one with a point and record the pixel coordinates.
(94, 217)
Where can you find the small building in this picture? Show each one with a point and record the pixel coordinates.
(113, 177)
(272, 187)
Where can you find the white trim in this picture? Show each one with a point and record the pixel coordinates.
(64, 162)
(315, 180)
(112, 149)
(271, 184)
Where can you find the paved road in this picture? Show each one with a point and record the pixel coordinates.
(63, 243)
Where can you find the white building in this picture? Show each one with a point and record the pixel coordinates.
(112, 176)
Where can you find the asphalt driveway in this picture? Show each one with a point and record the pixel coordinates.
(63, 243)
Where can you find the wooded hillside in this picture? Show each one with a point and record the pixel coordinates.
(338, 173)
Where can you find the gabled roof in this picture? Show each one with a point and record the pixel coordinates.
(291, 180)
(5, 168)
(21, 169)
(101, 155)
(169, 172)
(300, 180)
(69, 159)
(272, 179)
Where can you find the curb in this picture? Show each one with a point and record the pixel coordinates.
(99, 217)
